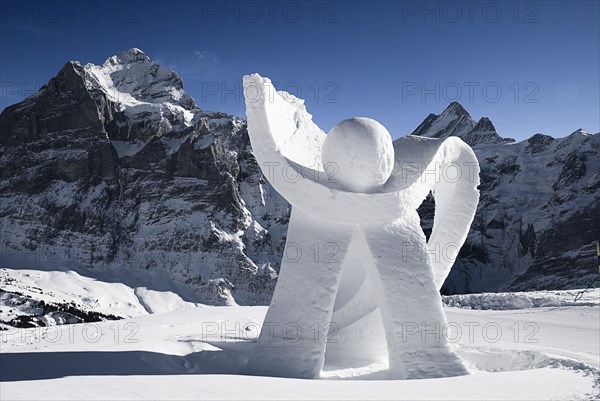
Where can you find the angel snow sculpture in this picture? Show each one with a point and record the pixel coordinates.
(359, 282)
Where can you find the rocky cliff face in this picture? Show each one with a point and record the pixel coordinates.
(114, 167)
(115, 172)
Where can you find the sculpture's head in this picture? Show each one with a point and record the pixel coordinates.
(362, 153)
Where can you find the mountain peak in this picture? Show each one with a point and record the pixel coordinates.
(131, 56)
(484, 132)
(456, 121)
(580, 131)
(146, 93)
(456, 109)
(484, 124)
(134, 80)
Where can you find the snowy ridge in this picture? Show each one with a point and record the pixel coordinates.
(24, 290)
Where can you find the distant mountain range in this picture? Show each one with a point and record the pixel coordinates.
(115, 172)
(539, 210)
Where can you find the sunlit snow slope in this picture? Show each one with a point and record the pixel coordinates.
(523, 354)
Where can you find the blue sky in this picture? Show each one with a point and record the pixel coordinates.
(531, 66)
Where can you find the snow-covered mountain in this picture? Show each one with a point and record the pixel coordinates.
(456, 121)
(115, 172)
(539, 210)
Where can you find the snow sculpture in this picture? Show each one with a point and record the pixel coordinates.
(359, 283)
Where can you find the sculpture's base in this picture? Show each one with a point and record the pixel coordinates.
(373, 300)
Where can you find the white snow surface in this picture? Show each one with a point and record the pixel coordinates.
(113, 295)
(525, 354)
(518, 348)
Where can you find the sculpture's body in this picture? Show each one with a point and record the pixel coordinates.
(358, 281)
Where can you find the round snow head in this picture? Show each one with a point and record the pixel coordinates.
(361, 152)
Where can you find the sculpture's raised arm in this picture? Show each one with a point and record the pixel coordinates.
(454, 176)
(285, 141)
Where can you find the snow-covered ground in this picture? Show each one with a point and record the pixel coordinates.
(104, 294)
(516, 347)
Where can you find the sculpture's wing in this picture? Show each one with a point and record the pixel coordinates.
(449, 168)
(456, 197)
